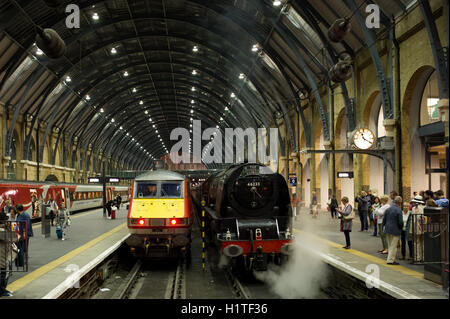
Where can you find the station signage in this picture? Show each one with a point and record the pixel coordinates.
(100, 180)
(94, 180)
(345, 174)
(293, 181)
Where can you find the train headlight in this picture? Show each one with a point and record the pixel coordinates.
(173, 222)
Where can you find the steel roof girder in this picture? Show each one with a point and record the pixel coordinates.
(437, 49)
(386, 94)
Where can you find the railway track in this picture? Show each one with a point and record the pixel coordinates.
(238, 289)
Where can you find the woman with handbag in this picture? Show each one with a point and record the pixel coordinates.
(346, 221)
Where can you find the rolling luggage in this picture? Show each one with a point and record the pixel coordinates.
(59, 232)
(113, 214)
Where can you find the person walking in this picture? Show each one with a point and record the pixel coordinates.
(363, 202)
(393, 225)
(63, 220)
(379, 213)
(376, 204)
(53, 210)
(346, 221)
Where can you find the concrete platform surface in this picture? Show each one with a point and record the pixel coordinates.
(53, 262)
(404, 281)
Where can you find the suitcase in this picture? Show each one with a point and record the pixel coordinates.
(113, 214)
(58, 232)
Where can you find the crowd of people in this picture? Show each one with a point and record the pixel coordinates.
(397, 225)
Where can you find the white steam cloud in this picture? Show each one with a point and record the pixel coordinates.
(304, 273)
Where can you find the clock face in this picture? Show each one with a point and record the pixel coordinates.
(363, 138)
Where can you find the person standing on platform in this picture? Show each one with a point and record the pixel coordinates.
(379, 213)
(376, 204)
(333, 204)
(314, 205)
(118, 200)
(53, 209)
(441, 201)
(109, 207)
(363, 207)
(416, 228)
(25, 231)
(393, 225)
(404, 237)
(294, 202)
(346, 221)
(63, 220)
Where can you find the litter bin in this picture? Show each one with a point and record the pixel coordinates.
(436, 244)
(45, 220)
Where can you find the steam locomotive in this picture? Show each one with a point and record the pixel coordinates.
(248, 215)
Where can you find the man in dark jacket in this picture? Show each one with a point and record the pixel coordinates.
(363, 208)
(393, 225)
(25, 228)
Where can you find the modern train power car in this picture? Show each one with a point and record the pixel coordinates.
(248, 215)
(160, 215)
(76, 196)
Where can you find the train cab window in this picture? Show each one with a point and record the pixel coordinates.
(171, 189)
(147, 190)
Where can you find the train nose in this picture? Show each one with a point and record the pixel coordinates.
(233, 251)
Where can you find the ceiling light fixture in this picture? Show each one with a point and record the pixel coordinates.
(255, 48)
(95, 16)
(125, 73)
(113, 51)
(134, 90)
(194, 72)
(241, 76)
(88, 97)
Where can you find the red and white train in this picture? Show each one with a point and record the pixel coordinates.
(76, 196)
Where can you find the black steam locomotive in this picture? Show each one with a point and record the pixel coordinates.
(248, 214)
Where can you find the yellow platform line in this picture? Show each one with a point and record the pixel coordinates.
(25, 280)
(371, 258)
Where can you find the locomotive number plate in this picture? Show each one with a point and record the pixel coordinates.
(254, 184)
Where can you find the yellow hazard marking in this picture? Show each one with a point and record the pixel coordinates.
(371, 258)
(203, 255)
(203, 224)
(25, 280)
(203, 203)
(203, 213)
(203, 244)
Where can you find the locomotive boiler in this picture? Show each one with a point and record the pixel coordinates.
(248, 214)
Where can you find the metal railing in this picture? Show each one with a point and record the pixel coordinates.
(13, 247)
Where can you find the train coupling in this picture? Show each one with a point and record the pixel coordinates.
(260, 261)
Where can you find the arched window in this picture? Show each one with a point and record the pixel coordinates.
(381, 130)
(430, 97)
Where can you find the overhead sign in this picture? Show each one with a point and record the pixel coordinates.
(293, 181)
(112, 180)
(94, 180)
(345, 174)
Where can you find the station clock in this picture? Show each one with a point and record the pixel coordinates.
(363, 138)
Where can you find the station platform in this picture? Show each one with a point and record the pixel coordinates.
(404, 281)
(55, 264)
